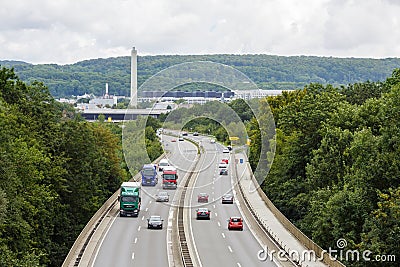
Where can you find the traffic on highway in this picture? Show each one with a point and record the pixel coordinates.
(144, 233)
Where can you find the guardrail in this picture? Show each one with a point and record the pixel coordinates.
(183, 243)
(305, 240)
(78, 248)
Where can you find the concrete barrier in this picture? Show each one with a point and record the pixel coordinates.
(306, 241)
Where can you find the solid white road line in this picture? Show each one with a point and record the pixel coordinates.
(102, 240)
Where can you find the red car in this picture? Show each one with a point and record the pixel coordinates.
(225, 161)
(235, 223)
(202, 197)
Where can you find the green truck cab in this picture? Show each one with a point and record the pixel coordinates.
(129, 199)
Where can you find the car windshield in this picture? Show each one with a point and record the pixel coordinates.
(227, 196)
(203, 210)
(235, 219)
(155, 218)
(163, 164)
(128, 199)
(148, 172)
(169, 176)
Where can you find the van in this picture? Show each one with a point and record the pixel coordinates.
(163, 163)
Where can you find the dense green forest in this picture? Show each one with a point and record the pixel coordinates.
(56, 171)
(267, 71)
(336, 171)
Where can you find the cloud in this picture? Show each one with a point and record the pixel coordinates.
(63, 31)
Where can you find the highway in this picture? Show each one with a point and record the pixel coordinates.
(216, 245)
(128, 242)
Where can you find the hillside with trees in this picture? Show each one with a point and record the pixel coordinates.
(267, 71)
(56, 171)
(336, 169)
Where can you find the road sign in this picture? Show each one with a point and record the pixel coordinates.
(233, 138)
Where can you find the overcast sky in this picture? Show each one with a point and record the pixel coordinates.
(68, 31)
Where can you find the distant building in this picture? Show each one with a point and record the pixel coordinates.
(201, 97)
(250, 94)
(164, 105)
(67, 100)
(102, 102)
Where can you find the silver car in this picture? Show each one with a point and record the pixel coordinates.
(162, 197)
(155, 221)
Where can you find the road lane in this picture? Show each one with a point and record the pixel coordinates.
(128, 241)
(216, 245)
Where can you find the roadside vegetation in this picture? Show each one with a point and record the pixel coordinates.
(336, 170)
(56, 171)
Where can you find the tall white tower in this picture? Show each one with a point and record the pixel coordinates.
(133, 102)
(106, 95)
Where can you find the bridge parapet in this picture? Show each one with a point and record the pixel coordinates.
(301, 249)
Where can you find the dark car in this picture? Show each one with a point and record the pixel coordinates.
(202, 197)
(155, 221)
(223, 172)
(203, 213)
(195, 134)
(227, 199)
(235, 223)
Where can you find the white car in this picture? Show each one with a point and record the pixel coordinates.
(212, 141)
(225, 150)
(162, 197)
